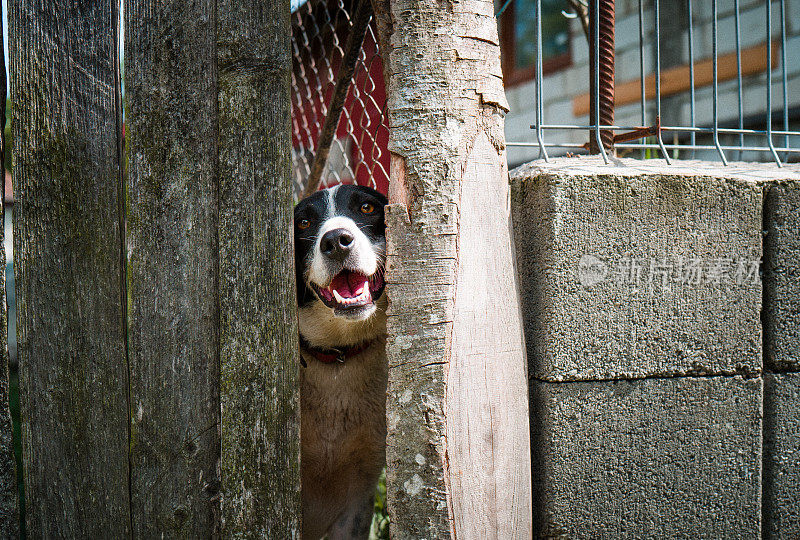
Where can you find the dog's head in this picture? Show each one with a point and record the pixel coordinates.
(340, 247)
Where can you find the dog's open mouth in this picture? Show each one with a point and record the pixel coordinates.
(351, 290)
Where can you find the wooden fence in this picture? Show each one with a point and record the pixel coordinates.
(157, 327)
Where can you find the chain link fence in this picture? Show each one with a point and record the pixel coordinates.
(358, 152)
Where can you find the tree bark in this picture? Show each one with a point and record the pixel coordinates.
(458, 451)
(172, 206)
(67, 241)
(258, 317)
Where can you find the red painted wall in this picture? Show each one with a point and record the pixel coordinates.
(363, 115)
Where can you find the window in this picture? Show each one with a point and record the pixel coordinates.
(517, 27)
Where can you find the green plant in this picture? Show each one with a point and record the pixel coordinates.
(379, 530)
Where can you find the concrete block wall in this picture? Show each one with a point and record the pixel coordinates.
(654, 412)
(648, 458)
(782, 277)
(782, 455)
(781, 316)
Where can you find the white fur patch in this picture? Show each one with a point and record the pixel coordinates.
(331, 209)
(362, 256)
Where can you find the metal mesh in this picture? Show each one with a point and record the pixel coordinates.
(724, 109)
(358, 153)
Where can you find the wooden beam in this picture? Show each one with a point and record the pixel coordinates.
(259, 349)
(458, 454)
(69, 272)
(172, 262)
(676, 80)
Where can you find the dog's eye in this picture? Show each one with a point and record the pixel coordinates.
(303, 224)
(367, 208)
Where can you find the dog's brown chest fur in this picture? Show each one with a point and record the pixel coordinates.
(343, 434)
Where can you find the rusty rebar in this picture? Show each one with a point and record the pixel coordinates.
(602, 97)
(344, 77)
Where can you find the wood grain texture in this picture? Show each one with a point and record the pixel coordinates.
(67, 241)
(458, 458)
(171, 95)
(488, 440)
(9, 511)
(258, 320)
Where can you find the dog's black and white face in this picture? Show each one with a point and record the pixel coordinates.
(340, 247)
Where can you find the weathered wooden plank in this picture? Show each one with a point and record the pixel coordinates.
(258, 330)
(67, 241)
(9, 510)
(172, 209)
(458, 455)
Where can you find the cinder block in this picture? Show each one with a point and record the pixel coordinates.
(782, 277)
(520, 154)
(651, 458)
(639, 269)
(782, 456)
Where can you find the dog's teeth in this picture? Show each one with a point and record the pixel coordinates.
(338, 297)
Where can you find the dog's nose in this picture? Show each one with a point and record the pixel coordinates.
(336, 244)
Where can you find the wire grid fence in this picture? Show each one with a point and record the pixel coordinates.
(358, 153)
(764, 135)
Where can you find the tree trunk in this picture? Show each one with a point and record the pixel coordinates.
(258, 331)
(67, 244)
(458, 455)
(172, 205)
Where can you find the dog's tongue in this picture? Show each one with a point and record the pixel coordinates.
(349, 284)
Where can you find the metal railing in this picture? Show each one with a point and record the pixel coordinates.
(739, 133)
(339, 128)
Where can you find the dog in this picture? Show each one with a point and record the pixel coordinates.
(340, 251)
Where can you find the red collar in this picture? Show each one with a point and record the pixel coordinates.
(329, 356)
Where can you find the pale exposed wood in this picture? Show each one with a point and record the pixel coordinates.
(676, 80)
(487, 398)
(172, 265)
(458, 456)
(258, 319)
(73, 370)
